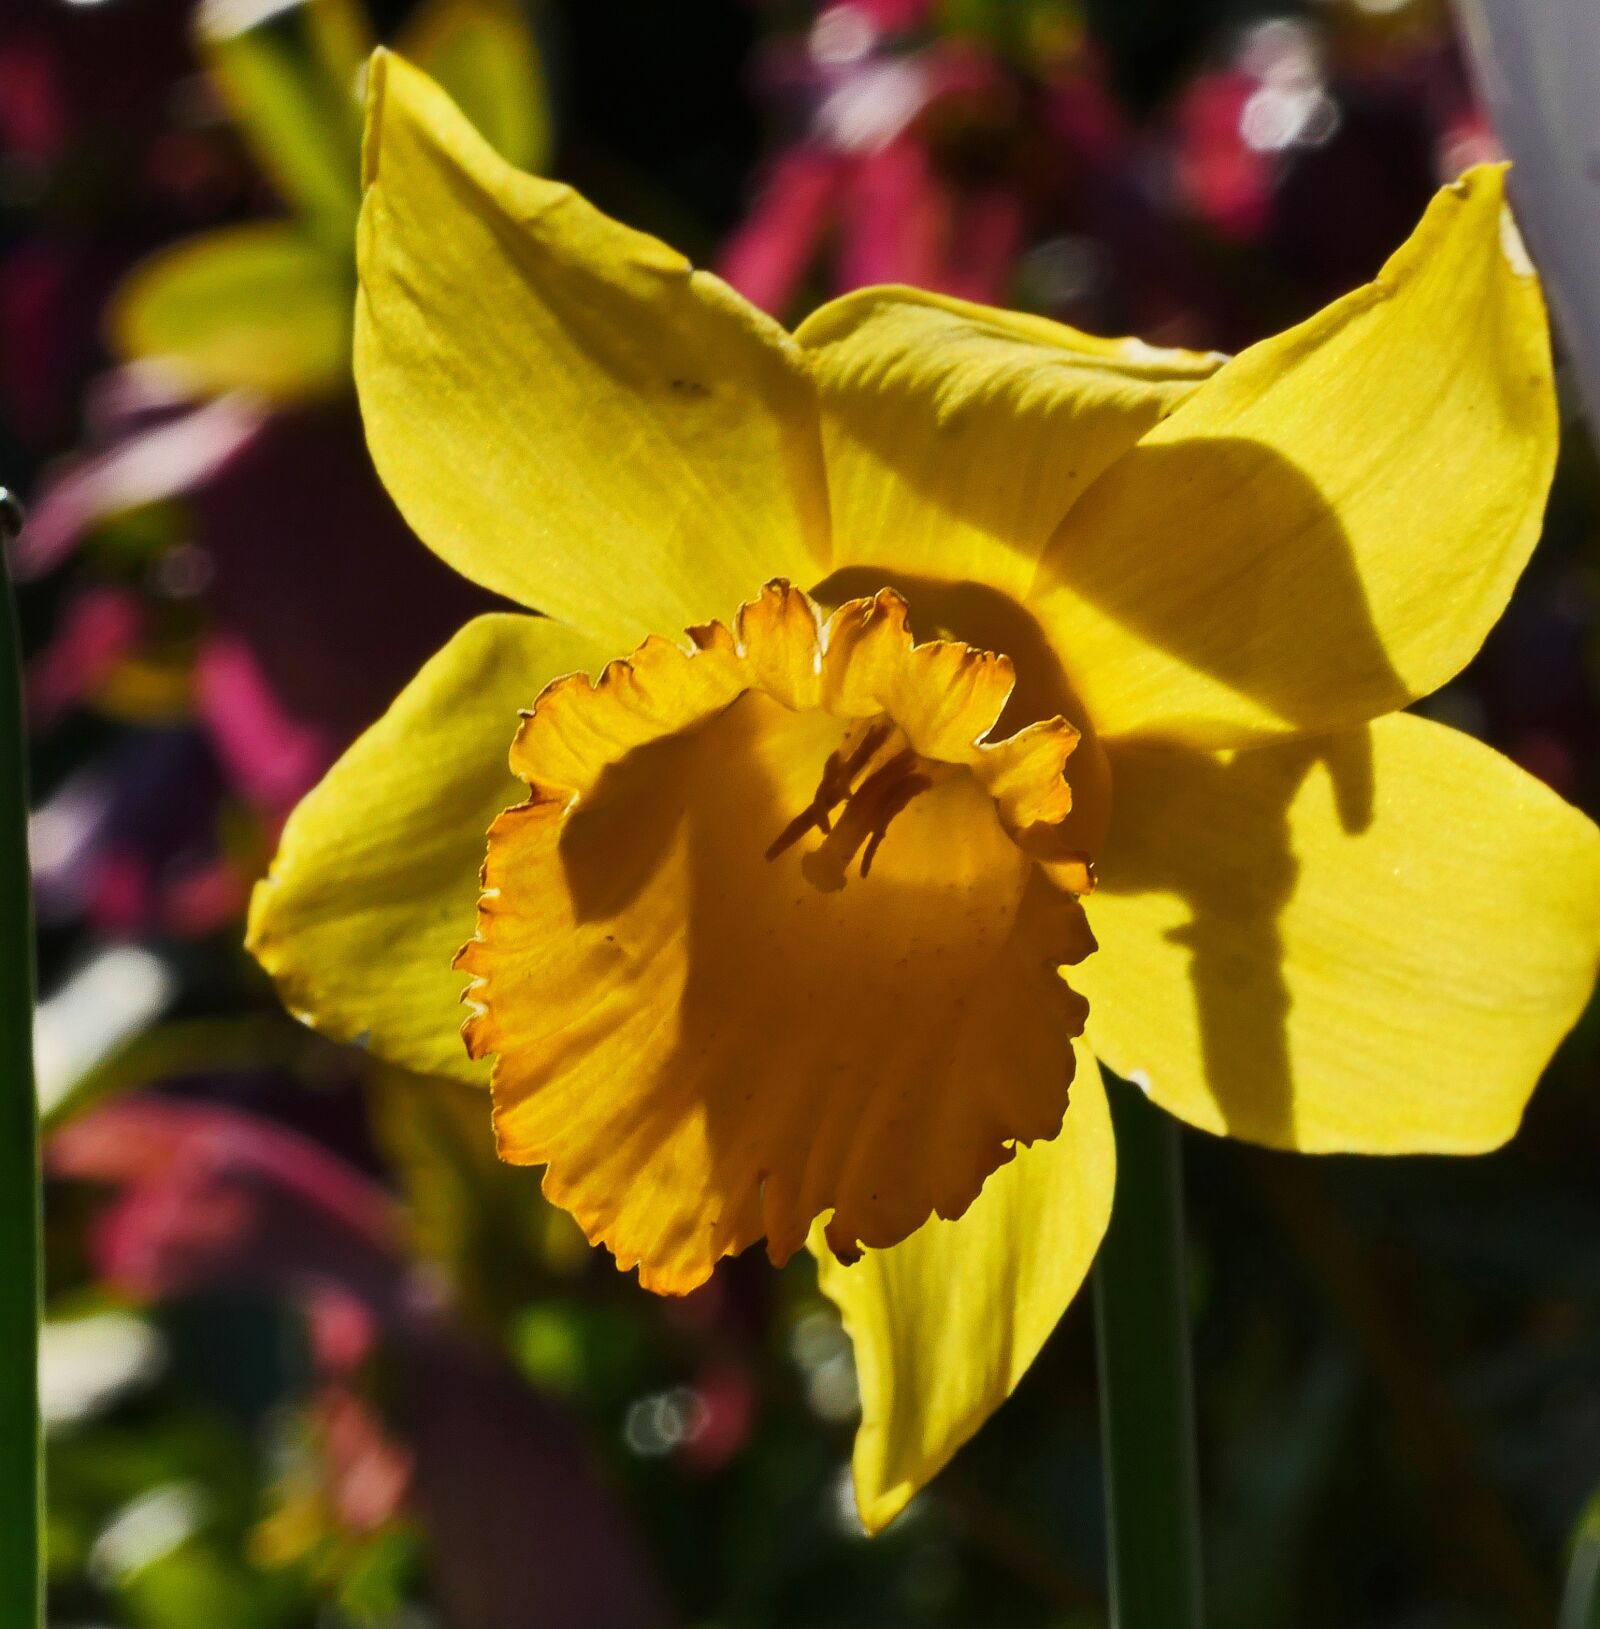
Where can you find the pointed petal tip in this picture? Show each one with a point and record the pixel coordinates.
(500, 310)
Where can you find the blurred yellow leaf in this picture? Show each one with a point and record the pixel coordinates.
(261, 308)
(485, 56)
(290, 72)
(154, 686)
(485, 1223)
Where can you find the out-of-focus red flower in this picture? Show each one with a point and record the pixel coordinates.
(768, 257)
(33, 124)
(208, 1195)
(269, 755)
(368, 1474)
(98, 630)
(1219, 175)
(726, 1395)
(85, 96)
(878, 110)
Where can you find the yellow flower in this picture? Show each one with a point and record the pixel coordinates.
(783, 924)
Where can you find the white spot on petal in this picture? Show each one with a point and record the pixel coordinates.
(1512, 246)
(1141, 350)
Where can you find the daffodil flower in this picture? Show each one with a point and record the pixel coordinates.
(927, 647)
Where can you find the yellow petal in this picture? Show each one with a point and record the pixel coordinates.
(261, 308)
(758, 948)
(1328, 528)
(946, 1324)
(289, 76)
(484, 57)
(1370, 942)
(562, 408)
(957, 436)
(376, 878)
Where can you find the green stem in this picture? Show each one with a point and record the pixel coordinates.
(21, 1454)
(1146, 1387)
(1580, 1600)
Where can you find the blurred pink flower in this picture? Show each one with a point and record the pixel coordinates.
(208, 1194)
(97, 631)
(147, 443)
(269, 755)
(863, 178)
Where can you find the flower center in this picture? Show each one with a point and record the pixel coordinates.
(874, 774)
(706, 1035)
(972, 613)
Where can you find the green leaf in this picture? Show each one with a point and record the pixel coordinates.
(485, 56)
(290, 73)
(21, 1490)
(1580, 1601)
(198, 1580)
(483, 1222)
(263, 308)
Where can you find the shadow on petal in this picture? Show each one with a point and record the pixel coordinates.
(1232, 934)
(1206, 591)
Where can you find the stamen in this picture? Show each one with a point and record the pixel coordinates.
(868, 808)
(832, 790)
(883, 795)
